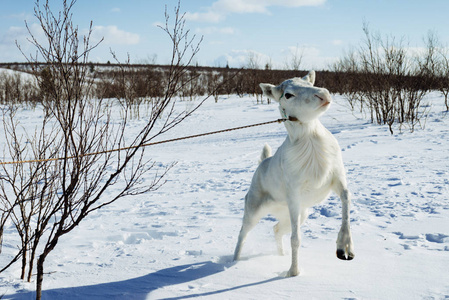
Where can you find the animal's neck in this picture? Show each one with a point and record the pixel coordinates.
(302, 130)
(308, 153)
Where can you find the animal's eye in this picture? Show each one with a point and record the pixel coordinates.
(288, 95)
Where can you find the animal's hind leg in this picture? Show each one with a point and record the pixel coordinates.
(280, 229)
(248, 223)
(250, 218)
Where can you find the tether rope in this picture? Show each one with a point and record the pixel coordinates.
(142, 145)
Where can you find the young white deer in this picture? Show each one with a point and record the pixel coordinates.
(302, 172)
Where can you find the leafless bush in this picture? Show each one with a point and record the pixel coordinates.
(47, 199)
(15, 88)
(212, 81)
(24, 187)
(440, 63)
(387, 80)
(443, 78)
(295, 58)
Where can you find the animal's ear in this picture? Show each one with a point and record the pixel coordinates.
(310, 77)
(271, 91)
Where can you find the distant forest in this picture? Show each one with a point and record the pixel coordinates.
(386, 84)
(148, 80)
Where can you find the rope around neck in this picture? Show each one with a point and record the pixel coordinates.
(144, 145)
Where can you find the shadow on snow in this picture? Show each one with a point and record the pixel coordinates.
(140, 288)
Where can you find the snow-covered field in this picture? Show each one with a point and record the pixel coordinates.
(177, 243)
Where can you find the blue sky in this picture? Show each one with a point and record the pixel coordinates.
(269, 29)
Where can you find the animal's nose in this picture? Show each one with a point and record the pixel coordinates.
(324, 96)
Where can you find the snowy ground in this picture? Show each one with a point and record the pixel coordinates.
(177, 243)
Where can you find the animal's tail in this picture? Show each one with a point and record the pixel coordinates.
(266, 152)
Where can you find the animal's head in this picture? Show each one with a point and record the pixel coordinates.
(298, 98)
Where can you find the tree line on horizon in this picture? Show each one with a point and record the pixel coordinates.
(147, 80)
(379, 78)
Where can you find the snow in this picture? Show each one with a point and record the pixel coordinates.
(23, 75)
(177, 242)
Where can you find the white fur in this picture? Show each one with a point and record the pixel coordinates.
(266, 152)
(302, 172)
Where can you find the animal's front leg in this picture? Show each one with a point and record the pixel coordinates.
(295, 238)
(345, 247)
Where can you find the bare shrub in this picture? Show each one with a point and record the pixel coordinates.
(47, 199)
(387, 80)
(295, 58)
(15, 88)
(443, 78)
(440, 63)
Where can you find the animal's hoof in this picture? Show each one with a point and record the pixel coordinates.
(292, 273)
(341, 254)
(281, 253)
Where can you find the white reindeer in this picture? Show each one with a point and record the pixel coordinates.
(302, 172)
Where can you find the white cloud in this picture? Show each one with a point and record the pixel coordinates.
(239, 6)
(241, 58)
(21, 36)
(313, 58)
(111, 35)
(114, 36)
(220, 9)
(159, 24)
(337, 42)
(209, 16)
(12, 34)
(8, 50)
(215, 30)
(294, 3)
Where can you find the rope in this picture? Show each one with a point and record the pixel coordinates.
(142, 145)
